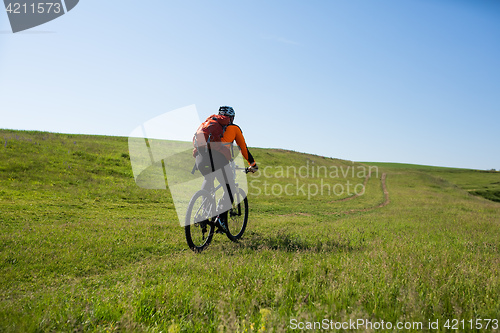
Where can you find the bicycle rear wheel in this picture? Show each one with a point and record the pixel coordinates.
(199, 228)
(237, 216)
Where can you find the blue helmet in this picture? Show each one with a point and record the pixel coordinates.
(226, 111)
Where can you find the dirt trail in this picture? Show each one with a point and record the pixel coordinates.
(386, 192)
(384, 203)
(357, 194)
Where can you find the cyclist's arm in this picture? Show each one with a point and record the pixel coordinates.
(233, 133)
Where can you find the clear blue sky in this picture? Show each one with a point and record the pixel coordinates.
(414, 81)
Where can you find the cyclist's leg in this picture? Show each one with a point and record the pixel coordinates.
(230, 187)
(208, 182)
(213, 164)
(203, 164)
(226, 177)
(220, 165)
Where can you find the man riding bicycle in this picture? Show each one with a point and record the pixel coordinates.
(213, 152)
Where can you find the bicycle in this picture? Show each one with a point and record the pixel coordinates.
(202, 216)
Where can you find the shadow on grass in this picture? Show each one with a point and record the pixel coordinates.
(288, 242)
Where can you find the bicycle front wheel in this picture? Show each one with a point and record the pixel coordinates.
(237, 216)
(198, 228)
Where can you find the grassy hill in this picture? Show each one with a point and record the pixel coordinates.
(485, 183)
(84, 249)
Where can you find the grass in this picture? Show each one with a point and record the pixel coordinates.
(84, 249)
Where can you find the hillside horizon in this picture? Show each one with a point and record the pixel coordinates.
(410, 165)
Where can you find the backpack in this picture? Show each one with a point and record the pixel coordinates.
(211, 130)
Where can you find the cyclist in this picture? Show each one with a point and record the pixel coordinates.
(217, 157)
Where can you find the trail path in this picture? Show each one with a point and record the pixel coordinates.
(357, 194)
(384, 203)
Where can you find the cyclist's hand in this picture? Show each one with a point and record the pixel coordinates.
(253, 169)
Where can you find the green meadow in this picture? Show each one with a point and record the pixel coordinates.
(329, 243)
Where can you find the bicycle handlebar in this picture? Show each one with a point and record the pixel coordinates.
(245, 170)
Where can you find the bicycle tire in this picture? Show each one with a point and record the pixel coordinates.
(237, 217)
(199, 222)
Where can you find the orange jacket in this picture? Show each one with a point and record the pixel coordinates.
(233, 133)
